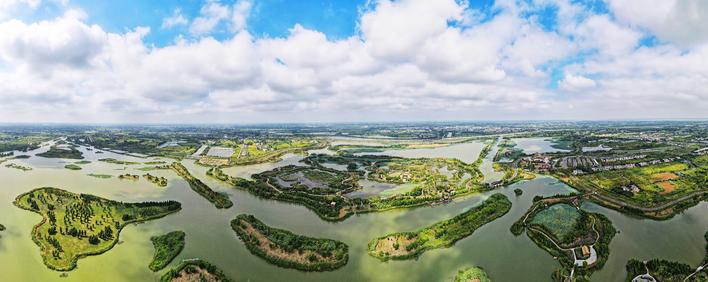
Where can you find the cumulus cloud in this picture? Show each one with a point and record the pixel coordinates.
(174, 20)
(409, 59)
(214, 13)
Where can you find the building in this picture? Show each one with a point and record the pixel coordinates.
(586, 250)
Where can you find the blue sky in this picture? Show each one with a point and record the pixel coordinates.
(326, 60)
(269, 18)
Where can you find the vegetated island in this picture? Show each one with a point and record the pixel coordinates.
(472, 274)
(326, 191)
(72, 167)
(102, 176)
(663, 270)
(285, 249)
(220, 200)
(129, 176)
(167, 247)
(194, 270)
(118, 162)
(79, 225)
(16, 166)
(578, 239)
(157, 180)
(69, 152)
(407, 245)
(2, 227)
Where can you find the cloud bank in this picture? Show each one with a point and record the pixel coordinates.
(409, 60)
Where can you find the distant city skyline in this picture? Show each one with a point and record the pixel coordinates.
(269, 61)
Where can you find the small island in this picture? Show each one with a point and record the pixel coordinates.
(578, 239)
(2, 227)
(518, 192)
(167, 247)
(157, 180)
(114, 161)
(472, 274)
(16, 166)
(79, 225)
(407, 245)
(129, 176)
(220, 200)
(102, 176)
(72, 167)
(285, 249)
(194, 270)
(67, 152)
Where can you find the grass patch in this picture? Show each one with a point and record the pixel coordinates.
(561, 220)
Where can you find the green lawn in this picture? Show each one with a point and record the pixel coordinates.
(559, 219)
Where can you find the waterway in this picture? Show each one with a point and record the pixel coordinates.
(505, 257)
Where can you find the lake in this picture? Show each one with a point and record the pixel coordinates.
(209, 236)
(537, 145)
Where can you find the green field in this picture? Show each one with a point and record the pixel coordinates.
(561, 220)
(78, 225)
(657, 183)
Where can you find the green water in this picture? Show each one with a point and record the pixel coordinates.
(493, 247)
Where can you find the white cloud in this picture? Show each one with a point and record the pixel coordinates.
(240, 12)
(406, 62)
(213, 13)
(7, 7)
(174, 20)
(210, 15)
(684, 22)
(576, 83)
